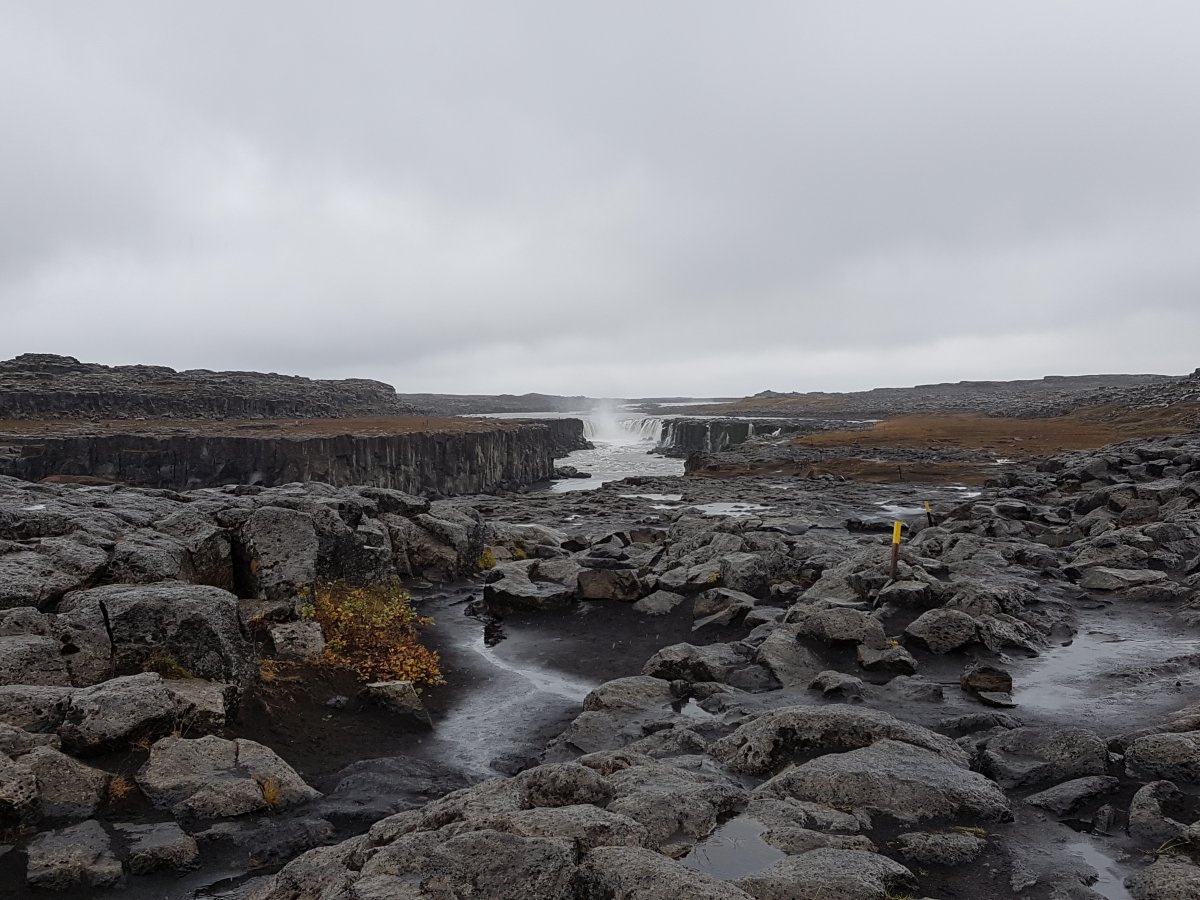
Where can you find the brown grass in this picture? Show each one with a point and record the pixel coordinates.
(120, 787)
(1081, 430)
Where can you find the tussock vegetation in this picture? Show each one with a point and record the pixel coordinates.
(374, 633)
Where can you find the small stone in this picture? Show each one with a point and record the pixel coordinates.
(298, 640)
(996, 698)
(949, 849)
(832, 683)
(986, 679)
(888, 659)
(398, 697)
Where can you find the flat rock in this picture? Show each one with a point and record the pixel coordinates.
(830, 874)
(1103, 578)
(659, 603)
(73, 857)
(1067, 798)
(907, 782)
(627, 873)
(1030, 757)
(159, 846)
(69, 789)
(211, 778)
(114, 714)
(949, 848)
(297, 640)
(773, 738)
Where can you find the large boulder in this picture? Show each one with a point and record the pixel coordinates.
(685, 662)
(830, 874)
(837, 624)
(276, 554)
(776, 737)
(194, 625)
(209, 778)
(529, 586)
(943, 630)
(116, 713)
(476, 863)
(610, 584)
(1169, 877)
(1174, 757)
(1033, 756)
(901, 780)
(628, 873)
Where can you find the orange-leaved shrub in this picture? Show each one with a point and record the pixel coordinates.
(374, 632)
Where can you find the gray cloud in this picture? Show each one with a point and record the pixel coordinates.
(612, 198)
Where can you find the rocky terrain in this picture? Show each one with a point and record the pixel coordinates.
(1013, 715)
(1050, 396)
(45, 386)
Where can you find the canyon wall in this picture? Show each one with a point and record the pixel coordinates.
(423, 462)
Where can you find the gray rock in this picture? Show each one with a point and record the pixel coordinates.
(1067, 798)
(1029, 757)
(638, 692)
(212, 778)
(196, 626)
(834, 624)
(787, 812)
(1102, 578)
(397, 696)
(1147, 819)
(830, 874)
(790, 662)
(980, 679)
(297, 640)
(112, 715)
(480, 863)
(522, 586)
(685, 662)
(888, 659)
(33, 707)
(673, 803)
(32, 659)
(279, 549)
(159, 846)
(627, 873)
(773, 738)
(583, 825)
(832, 683)
(15, 741)
(77, 856)
(913, 594)
(952, 848)
(1167, 878)
(943, 630)
(68, 788)
(1173, 757)
(609, 584)
(19, 794)
(659, 603)
(904, 781)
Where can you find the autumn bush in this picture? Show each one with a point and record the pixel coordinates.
(374, 632)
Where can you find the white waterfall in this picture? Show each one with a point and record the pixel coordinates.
(615, 428)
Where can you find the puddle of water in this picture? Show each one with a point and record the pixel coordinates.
(732, 510)
(694, 711)
(733, 850)
(1072, 677)
(896, 509)
(665, 498)
(1111, 884)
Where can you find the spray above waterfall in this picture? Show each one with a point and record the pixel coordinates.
(609, 426)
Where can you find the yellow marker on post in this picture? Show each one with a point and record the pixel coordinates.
(929, 513)
(896, 526)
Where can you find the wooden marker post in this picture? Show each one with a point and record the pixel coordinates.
(896, 526)
(929, 514)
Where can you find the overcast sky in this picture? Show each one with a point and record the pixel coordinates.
(612, 198)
